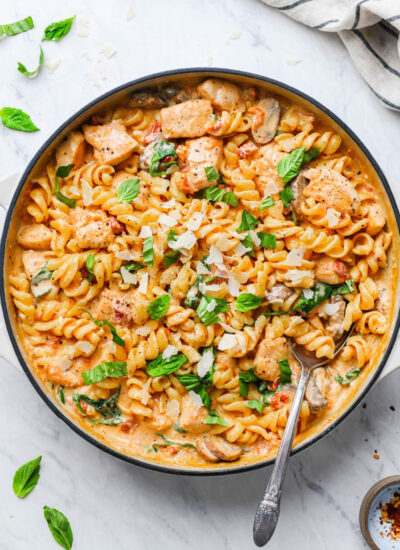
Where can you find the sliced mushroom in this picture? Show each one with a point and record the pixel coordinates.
(148, 99)
(316, 401)
(297, 187)
(278, 294)
(335, 326)
(214, 448)
(266, 131)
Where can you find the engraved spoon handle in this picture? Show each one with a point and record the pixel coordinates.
(268, 510)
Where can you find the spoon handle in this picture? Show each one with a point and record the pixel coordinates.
(268, 510)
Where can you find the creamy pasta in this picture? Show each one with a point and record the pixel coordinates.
(170, 250)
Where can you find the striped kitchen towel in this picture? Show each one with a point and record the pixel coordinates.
(369, 30)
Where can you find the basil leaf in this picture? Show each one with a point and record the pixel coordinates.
(211, 173)
(193, 295)
(26, 477)
(107, 421)
(248, 243)
(11, 29)
(286, 196)
(56, 31)
(15, 119)
(247, 301)
(59, 526)
(192, 382)
(289, 166)
(207, 379)
(22, 69)
(89, 266)
(161, 151)
(342, 381)
(248, 221)
(286, 371)
(148, 252)
(134, 266)
(168, 442)
(179, 429)
(111, 369)
(172, 236)
(268, 240)
(211, 317)
(267, 396)
(106, 407)
(104, 322)
(43, 275)
(212, 194)
(267, 203)
(61, 395)
(171, 258)
(159, 307)
(214, 418)
(63, 172)
(321, 291)
(254, 404)
(352, 373)
(311, 154)
(345, 288)
(161, 367)
(244, 379)
(230, 198)
(128, 190)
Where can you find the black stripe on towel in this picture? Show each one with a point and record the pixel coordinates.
(374, 53)
(358, 11)
(389, 29)
(393, 18)
(383, 99)
(325, 23)
(294, 5)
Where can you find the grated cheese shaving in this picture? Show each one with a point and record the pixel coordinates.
(85, 347)
(187, 240)
(233, 286)
(333, 217)
(128, 276)
(331, 309)
(169, 204)
(228, 341)
(87, 193)
(167, 221)
(144, 281)
(295, 257)
(123, 255)
(169, 351)
(241, 250)
(196, 399)
(195, 221)
(108, 50)
(215, 256)
(296, 276)
(130, 13)
(223, 243)
(211, 306)
(52, 64)
(205, 363)
(145, 232)
(172, 409)
(83, 27)
(201, 269)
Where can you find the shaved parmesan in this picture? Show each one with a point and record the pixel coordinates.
(255, 237)
(74, 190)
(228, 341)
(83, 27)
(87, 193)
(167, 221)
(215, 256)
(52, 64)
(331, 309)
(173, 409)
(233, 286)
(123, 255)
(271, 188)
(85, 347)
(203, 288)
(213, 288)
(195, 221)
(64, 363)
(333, 217)
(144, 281)
(169, 352)
(308, 294)
(201, 269)
(187, 240)
(251, 289)
(169, 204)
(293, 60)
(211, 306)
(297, 276)
(241, 250)
(223, 243)
(145, 232)
(130, 13)
(145, 392)
(295, 257)
(108, 50)
(144, 330)
(228, 328)
(128, 276)
(196, 399)
(205, 363)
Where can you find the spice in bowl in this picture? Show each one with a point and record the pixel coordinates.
(390, 514)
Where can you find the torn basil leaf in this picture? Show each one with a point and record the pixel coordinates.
(311, 154)
(168, 443)
(11, 29)
(208, 317)
(244, 379)
(171, 258)
(59, 527)
(321, 291)
(133, 266)
(286, 372)
(254, 404)
(248, 221)
(179, 429)
(161, 367)
(159, 307)
(268, 240)
(106, 407)
(286, 196)
(247, 301)
(345, 288)
(211, 173)
(104, 322)
(192, 382)
(267, 202)
(22, 69)
(128, 190)
(110, 369)
(56, 31)
(247, 242)
(26, 477)
(148, 251)
(63, 172)
(350, 375)
(214, 418)
(216, 194)
(164, 156)
(39, 286)
(15, 119)
(89, 266)
(289, 166)
(60, 393)
(193, 295)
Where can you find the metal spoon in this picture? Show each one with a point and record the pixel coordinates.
(268, 510)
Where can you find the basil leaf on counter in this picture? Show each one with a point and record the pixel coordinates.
(254, 404)
(128, 190)
(159, 307)
(267, 203)
(168, 442)
(286, 371)
(345, 288)
(148, 251)
(11, 29)
(286, 196)
(56, 31)
(60, 393)
(244, 379)
(214, 418)
(15, 119)
(160, 366)
(89, 266)
(248, 243)
(26, 477)
(248, 221)
(63, 172)
(22, 69)
(247, 301)
(103, 322)
(59, 526)
(110, 369)
(161, 151)
(289, 166)
(192, 382)
(211, 317)
(268, 240)
(106, 407)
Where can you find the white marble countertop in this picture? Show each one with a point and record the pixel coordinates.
(111, 504)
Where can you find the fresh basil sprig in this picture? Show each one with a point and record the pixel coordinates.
(289, 166)
(211, 317)
(56, 31)
(211, 173)
(128, 190)
(244, 380)
(179, 429)
(26, 477)
(286, 372)
(89, 266)
(110, 369)
(345, 288)
(214, 418)
(267, 203)
(148, 251)
(63, 172)
(134, 266)
(59, 527)
(161, 367)
(247, 301)
(286, 196)
(248, 221)
(216, 194)
(350, 375)
(268, 240)
(11, 29)
(15, 119)
(60, 393)
(106, 407)
(171, 258)
(104, 322)
(168, 443)
(193, 382)
(159, 307)
(161, 151)
(22, 69)
(254, 404)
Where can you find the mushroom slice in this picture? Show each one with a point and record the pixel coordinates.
(217, 448)
(335, 325)
(266, 121)
(297, 186)
(148, 99)
(316, 401)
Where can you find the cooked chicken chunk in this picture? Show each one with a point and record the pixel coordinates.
(92, 229)
(187, 119)
(297, 186)
(224, 95)
(118, 308)
(111, 142)
(202, 153)
(192, 418)
(331, 271)
(265, 120)
(316, 400)
(36, 236)
(335, 326)
(331, 189)
(376, 218)
(71, 150)
(270, 352)
(33, 262)
(214, 448)
(139, 202)
(278, 293)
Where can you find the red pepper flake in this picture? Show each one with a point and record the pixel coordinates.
(390, 514)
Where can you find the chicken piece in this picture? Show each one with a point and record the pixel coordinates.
(71, 150)
(36, 236)
(214, 448)
(332, 190)
(33, 262)
(265, 120)
(270, 352)
(92, 229)
(335, 326)
(202, 153)
(224, 95)
(62, 374)
(187, 119)
(246, 150)
(383, 302)
(117, 307)
(192, 418)
(331, 271)
(376, 218)
(297, 186)
(278, 294)
(316, 400)
(111, 142)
